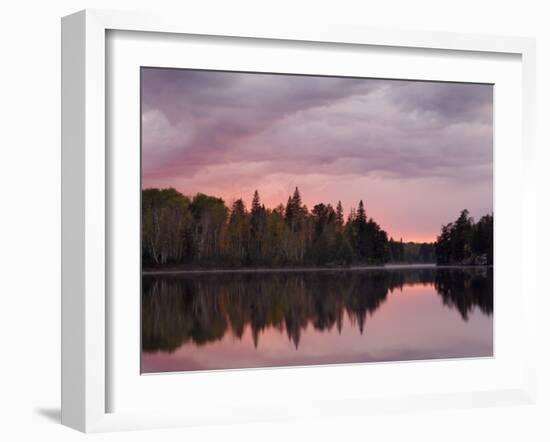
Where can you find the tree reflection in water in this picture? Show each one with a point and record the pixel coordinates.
(203, 307)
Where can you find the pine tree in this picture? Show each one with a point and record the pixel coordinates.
(361, 215)
(362, 234)
(339, 215)
(294, 210)
(257, 227)
(288, 210)
(296, 199)
(237, 232)
(255, 202)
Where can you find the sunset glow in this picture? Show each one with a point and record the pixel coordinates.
(415, 152)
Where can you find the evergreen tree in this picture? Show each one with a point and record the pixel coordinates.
(361, 217)
(296, 198)
(339, 215)
(361, 234)
(257, 229)
(237, 233)
(255, 207)
(466, 242)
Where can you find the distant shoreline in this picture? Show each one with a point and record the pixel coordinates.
(175, 271)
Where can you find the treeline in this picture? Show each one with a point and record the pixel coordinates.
(411, 252)
(204, 308)
(465, 242)
(203, 231)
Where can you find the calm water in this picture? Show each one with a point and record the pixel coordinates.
(235, 320)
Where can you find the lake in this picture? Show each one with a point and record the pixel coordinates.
(205, 321)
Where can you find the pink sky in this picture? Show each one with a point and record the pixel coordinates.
(416, 153)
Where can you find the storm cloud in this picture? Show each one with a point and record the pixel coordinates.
(229, 133)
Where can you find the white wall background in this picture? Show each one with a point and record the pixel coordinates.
(30, 215)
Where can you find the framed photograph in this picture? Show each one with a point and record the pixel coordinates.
(288, 278)
(267, 223)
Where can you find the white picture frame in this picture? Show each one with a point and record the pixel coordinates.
(87, 203)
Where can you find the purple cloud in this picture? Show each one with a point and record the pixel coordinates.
(246, 130)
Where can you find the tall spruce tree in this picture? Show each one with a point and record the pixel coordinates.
(339, 215)
(361, 216)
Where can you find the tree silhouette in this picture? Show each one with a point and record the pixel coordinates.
(203, 232)
(465, 241)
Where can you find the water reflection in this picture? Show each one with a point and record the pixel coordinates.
(200, 309)
(466, 289)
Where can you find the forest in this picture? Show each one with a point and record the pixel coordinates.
(203, 232)
(466, 242)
